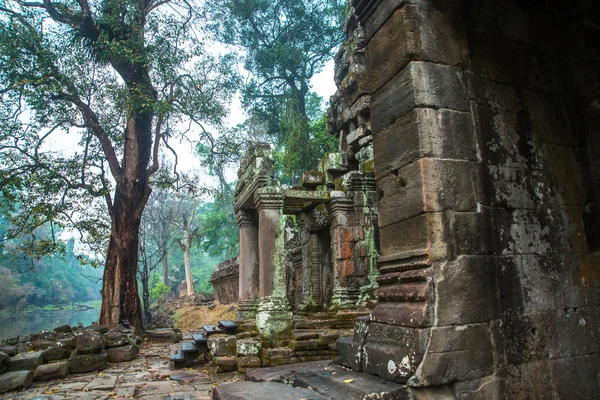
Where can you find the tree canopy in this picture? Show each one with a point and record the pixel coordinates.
(283, 43)
(112, 81)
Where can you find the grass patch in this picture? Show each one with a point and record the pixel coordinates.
(193, 317)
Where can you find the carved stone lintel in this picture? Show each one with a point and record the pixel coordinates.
(246, 218)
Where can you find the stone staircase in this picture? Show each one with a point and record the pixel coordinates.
(196, 344)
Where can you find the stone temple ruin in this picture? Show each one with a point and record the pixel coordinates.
(463, 204)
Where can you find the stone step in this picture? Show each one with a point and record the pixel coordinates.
(263, 390)
(229, 327)
(199, 337)
(212, 330)
(186, 347)
(331, 381)
(181, 358)
(305, 334)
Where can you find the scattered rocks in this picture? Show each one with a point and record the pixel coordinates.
(51, 371)
(15, 380)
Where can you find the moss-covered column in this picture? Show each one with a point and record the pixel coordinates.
(343, 220)
(248, 270)
(274, 317)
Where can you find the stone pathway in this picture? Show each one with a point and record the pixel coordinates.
(147, 377)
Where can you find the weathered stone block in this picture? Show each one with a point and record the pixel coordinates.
(425, 132)
(248, 347)
(81, 363)
(349, 353)
(466, 291)
(307, 345)
(245, 364)
(393, 352)
(63, 329)
(263, 390)
(122, 353)
(420, 84)
(26, 361)
(413, 33)
(42, 344)
(226, 363)
(222, 345)
(51, 371)
(456, 353)
(89, 341)
(426, 231)
(15, 380)
(56, 353)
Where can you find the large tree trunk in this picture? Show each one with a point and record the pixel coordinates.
(165, 265)
(188, 267)
(120, 299)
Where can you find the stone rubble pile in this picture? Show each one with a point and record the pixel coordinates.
(52, 355)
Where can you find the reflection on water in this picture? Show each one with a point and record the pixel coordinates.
(37, 321)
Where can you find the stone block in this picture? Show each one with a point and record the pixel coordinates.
(487, 388)
(425, 132)
(415, 315)
(245, 364)
(413, 33)
(248, 347)
(529, 337)
(393, 352)
(46, 372)
(311, 179)
(456, 353)
(15, 380)
(26, 361)
(466, 291)
(226, 363)
(222, 345)
(583, 384)
(56, 353)
(122, 353)
(9, 350)
(349, 353)
(262, 390)
(530, 380)
(81, 363)
(63, 329)
(89, 341)
(420, 84)
(307, 345)
(42, 344)
(565, 171)
(424, 232)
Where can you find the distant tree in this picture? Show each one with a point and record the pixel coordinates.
(116, 79)
(284, 43)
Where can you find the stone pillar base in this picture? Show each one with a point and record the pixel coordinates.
(246, 309)
(274, 318)
(345, 298)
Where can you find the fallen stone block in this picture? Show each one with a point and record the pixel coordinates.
(89, 341)
(42, 344)
(9, 350)
(26, 361)
(123, 353)
(81, 363)
(51, 371)
(54, 353)
(63, 329)
(15, 380)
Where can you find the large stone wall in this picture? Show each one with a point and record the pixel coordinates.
(485, 121)
(225, 281)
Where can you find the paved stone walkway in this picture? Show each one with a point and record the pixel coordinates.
(147, 377)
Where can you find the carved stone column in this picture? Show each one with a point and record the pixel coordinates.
(274, 317)
(248, 270)
(345, 295)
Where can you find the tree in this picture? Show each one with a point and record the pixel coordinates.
(118, 78)
(284, 43)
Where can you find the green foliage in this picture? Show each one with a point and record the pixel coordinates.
(85, 78)
(284, 43)
(159, 290)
